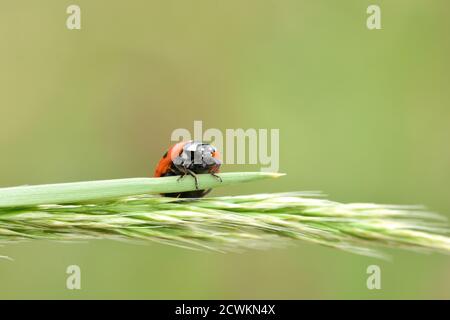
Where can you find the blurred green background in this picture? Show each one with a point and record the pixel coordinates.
(363, 116)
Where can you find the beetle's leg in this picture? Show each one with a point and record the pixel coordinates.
(192, 173)
(215, 175)
(173, 170)
(182, 170)
(205, 192)
(177, 173)
(178, 168)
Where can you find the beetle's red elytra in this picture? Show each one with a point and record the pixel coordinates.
(189, 158)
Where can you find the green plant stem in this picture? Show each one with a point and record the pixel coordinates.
(77, 192)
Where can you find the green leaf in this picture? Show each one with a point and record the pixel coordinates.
(105, 189)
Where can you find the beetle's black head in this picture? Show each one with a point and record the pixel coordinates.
(198, 156)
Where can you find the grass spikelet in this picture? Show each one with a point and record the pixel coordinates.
(232, 223)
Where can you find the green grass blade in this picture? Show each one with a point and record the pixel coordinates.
(76, 192)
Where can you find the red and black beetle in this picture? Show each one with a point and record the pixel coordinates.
(189, 158)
